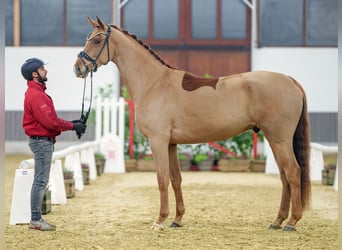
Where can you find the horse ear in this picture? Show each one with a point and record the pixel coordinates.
(92, 22)
(102, 25)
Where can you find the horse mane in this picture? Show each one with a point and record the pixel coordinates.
(145, 46)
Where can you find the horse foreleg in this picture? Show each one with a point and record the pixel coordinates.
(176, 181)
(160, 155)
(284, 203)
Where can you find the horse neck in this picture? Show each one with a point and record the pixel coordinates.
(138, 68)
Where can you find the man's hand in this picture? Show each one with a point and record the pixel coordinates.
(80, 128)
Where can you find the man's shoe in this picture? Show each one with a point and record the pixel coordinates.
(41, 225)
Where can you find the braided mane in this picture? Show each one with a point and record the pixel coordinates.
(147, 47)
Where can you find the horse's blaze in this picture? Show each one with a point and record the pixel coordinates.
(191, 82)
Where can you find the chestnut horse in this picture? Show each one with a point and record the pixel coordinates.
(175, 107)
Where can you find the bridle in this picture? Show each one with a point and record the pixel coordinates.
(84, 116)
(82, 55)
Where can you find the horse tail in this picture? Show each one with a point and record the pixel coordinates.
(301, 147)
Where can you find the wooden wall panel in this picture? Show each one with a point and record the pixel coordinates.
(201, 62)
(175, 58)
(217, 63)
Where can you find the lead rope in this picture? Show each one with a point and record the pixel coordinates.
(84, 117)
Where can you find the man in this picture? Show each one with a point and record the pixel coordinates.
(42, 125)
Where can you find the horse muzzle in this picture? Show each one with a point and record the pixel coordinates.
(79, 73)
(82, 73)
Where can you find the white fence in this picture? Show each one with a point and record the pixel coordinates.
(316, 161)
(110, 118)
(109, 141)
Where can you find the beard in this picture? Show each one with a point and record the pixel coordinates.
(42, 79)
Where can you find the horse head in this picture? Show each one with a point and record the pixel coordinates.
(92, 56)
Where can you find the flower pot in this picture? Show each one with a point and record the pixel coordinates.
(69, 187)
(328, 176)
(99, 166)
(85, 172)
(46, 205)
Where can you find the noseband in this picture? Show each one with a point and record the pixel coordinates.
(82, 55)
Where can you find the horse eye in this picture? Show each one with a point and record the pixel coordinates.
(97, 41)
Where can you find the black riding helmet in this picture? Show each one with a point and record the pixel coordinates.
(31, 65)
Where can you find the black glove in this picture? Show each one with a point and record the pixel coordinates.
(79, 127)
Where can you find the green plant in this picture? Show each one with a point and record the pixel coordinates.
(68, 174)
(124, 93)
(242, 144)
(199, 153)
(99, 156)
(184, 151)
(141, 145)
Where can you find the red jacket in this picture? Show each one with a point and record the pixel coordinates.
(40, 117)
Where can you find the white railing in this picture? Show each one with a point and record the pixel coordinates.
(29, 163)
(109, 141)
(323, 148)
(74, 157)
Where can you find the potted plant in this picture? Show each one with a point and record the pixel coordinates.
(100, 161)
(328, 174)
(69, 183)
(242, 146)
(184, 156)
(197, 156)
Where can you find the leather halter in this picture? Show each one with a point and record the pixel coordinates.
(84, 56)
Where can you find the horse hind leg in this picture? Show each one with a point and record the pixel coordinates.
(176, 181)
(290, 176)
(284, 204)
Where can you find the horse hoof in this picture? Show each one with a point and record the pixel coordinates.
(289, 228)
(174, 224)
(274, 227)
(157, 227)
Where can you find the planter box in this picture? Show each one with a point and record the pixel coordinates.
(185, 165)
(46, 205)
(146, 165)
(69, 187)
(131, 165)
(258, 166)
(205, 165)
(234, 165)
(328, 176)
